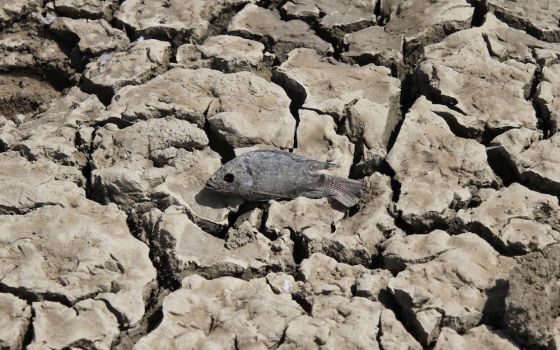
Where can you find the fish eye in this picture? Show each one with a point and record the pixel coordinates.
(229, 178)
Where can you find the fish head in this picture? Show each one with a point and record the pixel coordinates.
(228, 179)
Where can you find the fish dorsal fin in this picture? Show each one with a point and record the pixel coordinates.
(311, 164)
(317, 165)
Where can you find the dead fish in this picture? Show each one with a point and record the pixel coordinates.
(264, 174)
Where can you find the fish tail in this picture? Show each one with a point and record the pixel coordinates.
(345, 191)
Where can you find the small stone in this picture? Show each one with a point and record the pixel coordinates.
(281, 282)
(48, 20)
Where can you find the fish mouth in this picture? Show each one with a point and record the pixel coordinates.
(211, 186)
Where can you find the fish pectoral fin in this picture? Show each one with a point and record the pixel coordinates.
(269, 194)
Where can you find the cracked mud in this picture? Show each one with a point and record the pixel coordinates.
(113, 114)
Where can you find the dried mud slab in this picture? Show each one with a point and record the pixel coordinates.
(424, 22)
(336, 18)
(226, 53)
(321, 227)
(61, 134)
(539, 165)
(33, 49)
(89, 323)
(225, 313)
(317, 139)
(375, 45)
(164, 161)
(481, 337)
(174, 20)
(515, 219)
(539, 18)
(506, 43)
(13, 11)
(347, 323)
(24, 94)
(548, 96)
(367, 95)
(248, 110)
(77, 252)
(26, 185)
(330, 290)
(91, 9)
(90, 37)
(242, 108)
(280, 36)
(301, 213)
(89, 117)
(180, 93)
(141, 62)
(14, 319)
(507, 147)
(64, 247)
(460, 72)
(532, 310)
(185, 248)
(449, 281)
(231, 313)
(320, 275)
(438, 171)
(326, 86)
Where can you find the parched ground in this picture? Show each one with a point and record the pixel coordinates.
(113, 114)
